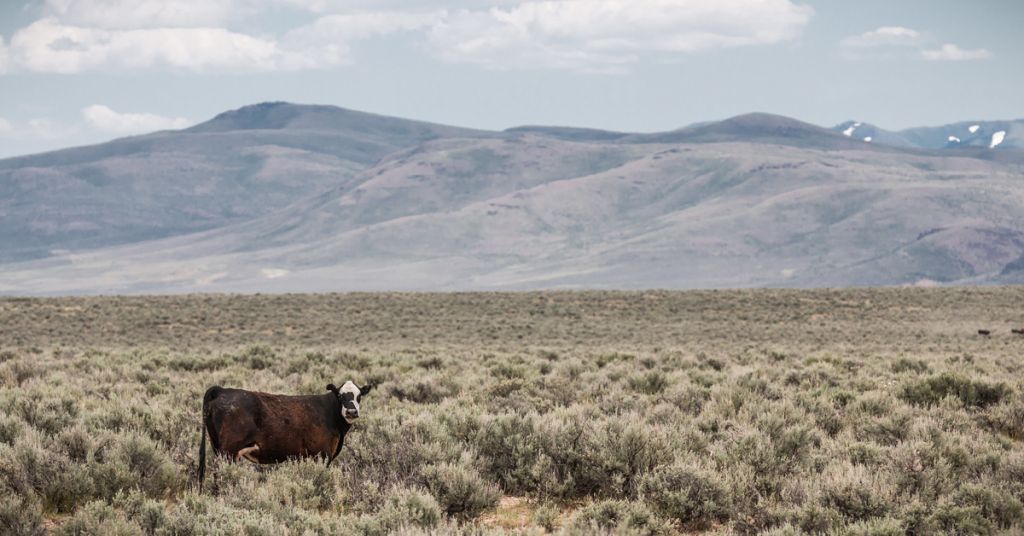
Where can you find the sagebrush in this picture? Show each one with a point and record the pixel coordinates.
(762, 411)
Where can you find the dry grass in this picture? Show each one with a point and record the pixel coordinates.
(857, 411)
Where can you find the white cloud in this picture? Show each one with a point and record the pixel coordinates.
(603, 34)
(349, 6)
(903, 43)
(327, 41)
(135, 14)
(200, 36)
(49, 46)
(103, 118)
(951, 52)
(884, 36)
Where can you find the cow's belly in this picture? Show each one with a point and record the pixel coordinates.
(274, 450)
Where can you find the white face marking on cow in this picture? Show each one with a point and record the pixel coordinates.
(350, 387)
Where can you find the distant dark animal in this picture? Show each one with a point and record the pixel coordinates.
(984, 332)
(1017, 331)
(266, 428)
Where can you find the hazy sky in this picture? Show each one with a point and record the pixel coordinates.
(85, 71)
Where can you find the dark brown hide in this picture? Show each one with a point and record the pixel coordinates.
(282, 427)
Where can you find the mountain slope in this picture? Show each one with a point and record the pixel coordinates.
(755, 127)
(237, 166)
(280, 197)
(535, 212)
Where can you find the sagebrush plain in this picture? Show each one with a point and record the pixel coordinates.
(720, 412)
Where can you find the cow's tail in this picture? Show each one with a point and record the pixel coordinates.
(210, 395)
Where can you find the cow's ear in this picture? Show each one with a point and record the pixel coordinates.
(365, 389)
(332, 388)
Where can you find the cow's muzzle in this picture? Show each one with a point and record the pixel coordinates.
(351, 414)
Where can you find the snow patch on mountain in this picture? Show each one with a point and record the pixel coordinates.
(954, 139)
(973, 128)
(998, 138)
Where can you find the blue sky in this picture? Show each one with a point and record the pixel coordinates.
(85, 71)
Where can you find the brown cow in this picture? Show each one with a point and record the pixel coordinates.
(266, 428)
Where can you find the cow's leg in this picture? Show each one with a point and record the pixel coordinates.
(248, 453)
(337, 450)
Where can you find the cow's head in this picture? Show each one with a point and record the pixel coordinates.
(349, 396)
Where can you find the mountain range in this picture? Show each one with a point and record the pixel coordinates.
(280, 197)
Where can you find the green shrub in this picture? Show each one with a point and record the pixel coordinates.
(47, 413)
(885, 526)
(814, 518)
(10, 429)
(885, 430)
(904, 364)
(685, 493)
(984, 508)
(29, 469)
(690, 399)
(259, 357)
(98, 517)
(133, 461)
(394, 450)
(421, 391)
(784, 530)
(508, 446)
(1008, 418)
(622, 517)
(76, 443)
(202, 515)
(460, 491)
(972, 394)
(299, 485)
(546, 517)
(866, 454)
(651, 382)
(856, 500)
(627, 448)
(150, 515)
(917, 517)
(563, 462)
(20, 515)
(949, 518)
(404, 507)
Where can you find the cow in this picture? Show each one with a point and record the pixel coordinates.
(266, 428)
(984, 332)
(1017, 331)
